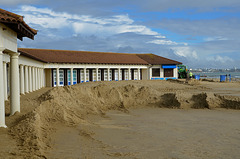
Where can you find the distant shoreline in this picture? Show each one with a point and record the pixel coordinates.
(215, 75)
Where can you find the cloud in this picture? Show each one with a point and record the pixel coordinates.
(221, 59)
(85, 29)
(215, 38)
(83, 24)
(110, 29)
(163, 42)
(220, 27)
(185, 51)
(106, 7)
(176, 5)
(208, 37)
(16, 2)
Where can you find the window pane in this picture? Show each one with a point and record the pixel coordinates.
(156, 72)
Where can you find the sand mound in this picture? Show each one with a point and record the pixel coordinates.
(169, 100)
(200, 101)
(193, 82)
(72, 104)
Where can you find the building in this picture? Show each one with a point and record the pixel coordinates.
(26, 70)
(63, 67)
(12, 27)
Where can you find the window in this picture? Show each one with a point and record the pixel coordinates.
(156, 72)
(168, 72)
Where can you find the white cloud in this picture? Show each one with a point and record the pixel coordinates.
(185, 51)
(163, 42)
(218, 38)
(160, 36)
(98, 29)
(83, 24)
(221, 59)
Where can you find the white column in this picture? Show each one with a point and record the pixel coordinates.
(42, 82)
(5, 80)
(57, 77)
(33, 79)
(22, 80)
(14, 84)
(71, 74)
(150, 73)
(85, 74)
(129, 73)
(30, 79)
(96, 74)
(41, 78)
(2, 101)
(119, 71)
(26, 79)
(8, 76)
(139, 75)
(36, 78)
(161, 72)
(108, 74)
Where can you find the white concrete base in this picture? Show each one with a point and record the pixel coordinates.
(3, 126)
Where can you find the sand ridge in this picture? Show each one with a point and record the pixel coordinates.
(71, 105)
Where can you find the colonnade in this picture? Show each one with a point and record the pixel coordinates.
(16, 80)
(31, 78)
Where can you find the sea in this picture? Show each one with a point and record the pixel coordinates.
(217, 74)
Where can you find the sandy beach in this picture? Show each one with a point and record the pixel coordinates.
(126, 119)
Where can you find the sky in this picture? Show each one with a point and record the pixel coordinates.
(200, 34)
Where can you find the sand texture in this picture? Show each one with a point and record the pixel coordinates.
(61, 122)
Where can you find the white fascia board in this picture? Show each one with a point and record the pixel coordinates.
(156, 66)
(23, 60)
(57, 65)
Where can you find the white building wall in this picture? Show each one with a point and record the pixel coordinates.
(23, 60)
(175, 72)
(161, 72)
(8, 38)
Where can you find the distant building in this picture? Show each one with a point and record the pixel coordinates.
(27, 70)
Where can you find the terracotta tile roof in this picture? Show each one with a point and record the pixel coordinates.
(16, 23)
(65, 56)
(156, 60)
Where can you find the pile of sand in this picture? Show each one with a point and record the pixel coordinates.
(72, 104)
